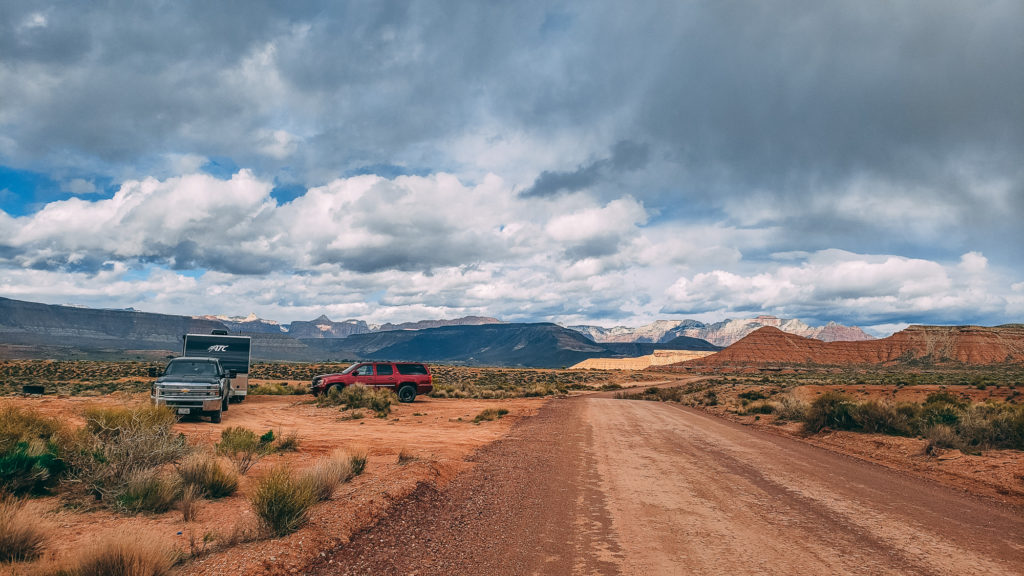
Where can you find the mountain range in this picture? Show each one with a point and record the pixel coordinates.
(723, 333)
(33, 330)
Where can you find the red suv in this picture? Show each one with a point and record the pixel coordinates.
(406, 378)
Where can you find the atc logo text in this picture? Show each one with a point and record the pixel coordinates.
(217, 348)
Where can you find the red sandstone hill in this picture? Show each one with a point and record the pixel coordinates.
(938, 344)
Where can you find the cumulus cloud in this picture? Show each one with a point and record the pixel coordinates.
(873, 289)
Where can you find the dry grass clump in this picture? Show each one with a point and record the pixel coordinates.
(282, 501)
(324, 477)
(490, 414)
(121, 555)
(21, 536)
(205, 473)
(148, 490)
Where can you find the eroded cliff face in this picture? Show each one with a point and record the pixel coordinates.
(931, 344)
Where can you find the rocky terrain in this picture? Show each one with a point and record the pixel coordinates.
(920, 344)
(723, 333)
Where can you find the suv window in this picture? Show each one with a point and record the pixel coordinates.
(411, 369)
(365, 370)
(385, 370)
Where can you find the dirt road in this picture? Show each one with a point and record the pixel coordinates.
(603, 486)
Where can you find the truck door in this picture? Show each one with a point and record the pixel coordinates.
(364, 375)
(385, 376)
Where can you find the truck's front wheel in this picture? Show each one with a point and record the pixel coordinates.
(407, 393)
(215, 417)
(224, 404)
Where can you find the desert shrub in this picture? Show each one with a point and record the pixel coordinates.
(30, 468)
(122, 441)
(874, 416)
(941, 436)
(358, 396)
(121, 555)
(21, 537)
(282, 502)
(191, 495)
(490, 414)
(324, 476)
(114, 421)
(357, 460)
(751, 395)
(276, 389)
(287, 442)
(760, 407)
(205, 473)
(19, 425)
(790, 408)
(992, 425)
(148, 490)
(31, 451)
(243, 447)
(830, 410)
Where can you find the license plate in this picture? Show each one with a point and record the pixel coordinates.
(183, 410)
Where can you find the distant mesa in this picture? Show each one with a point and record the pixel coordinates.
(770, 346)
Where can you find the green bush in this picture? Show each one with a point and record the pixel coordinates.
(205, 472)
(31, 468)
(276, 389)
(830, 410)
(357, 460)
(282, 502)
(243, 447)
(358, 396)
(21, 536)
(874, 416)
(149, 491)
(31, 451)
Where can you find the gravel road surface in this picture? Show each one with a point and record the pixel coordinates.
(603, 486)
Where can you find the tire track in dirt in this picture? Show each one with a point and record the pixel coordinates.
(602, 486)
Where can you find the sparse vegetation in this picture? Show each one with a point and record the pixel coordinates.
(21, 536)
(490, 414)
(206, 474)
(282, 502)
(118, 443)
(31, 449)
(147, 490)
(357, 396)
(324, 477)
(121, 555)
(277, 389)
(243, 448)
(357, 460)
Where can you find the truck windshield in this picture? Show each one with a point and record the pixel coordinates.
(349, 369)
(187, 368)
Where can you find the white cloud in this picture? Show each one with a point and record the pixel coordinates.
(847, 285)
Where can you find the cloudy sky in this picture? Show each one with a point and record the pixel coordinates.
(579, 162)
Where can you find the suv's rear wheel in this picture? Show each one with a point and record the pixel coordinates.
(407, 393)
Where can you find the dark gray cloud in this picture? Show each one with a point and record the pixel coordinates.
(626, 157)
